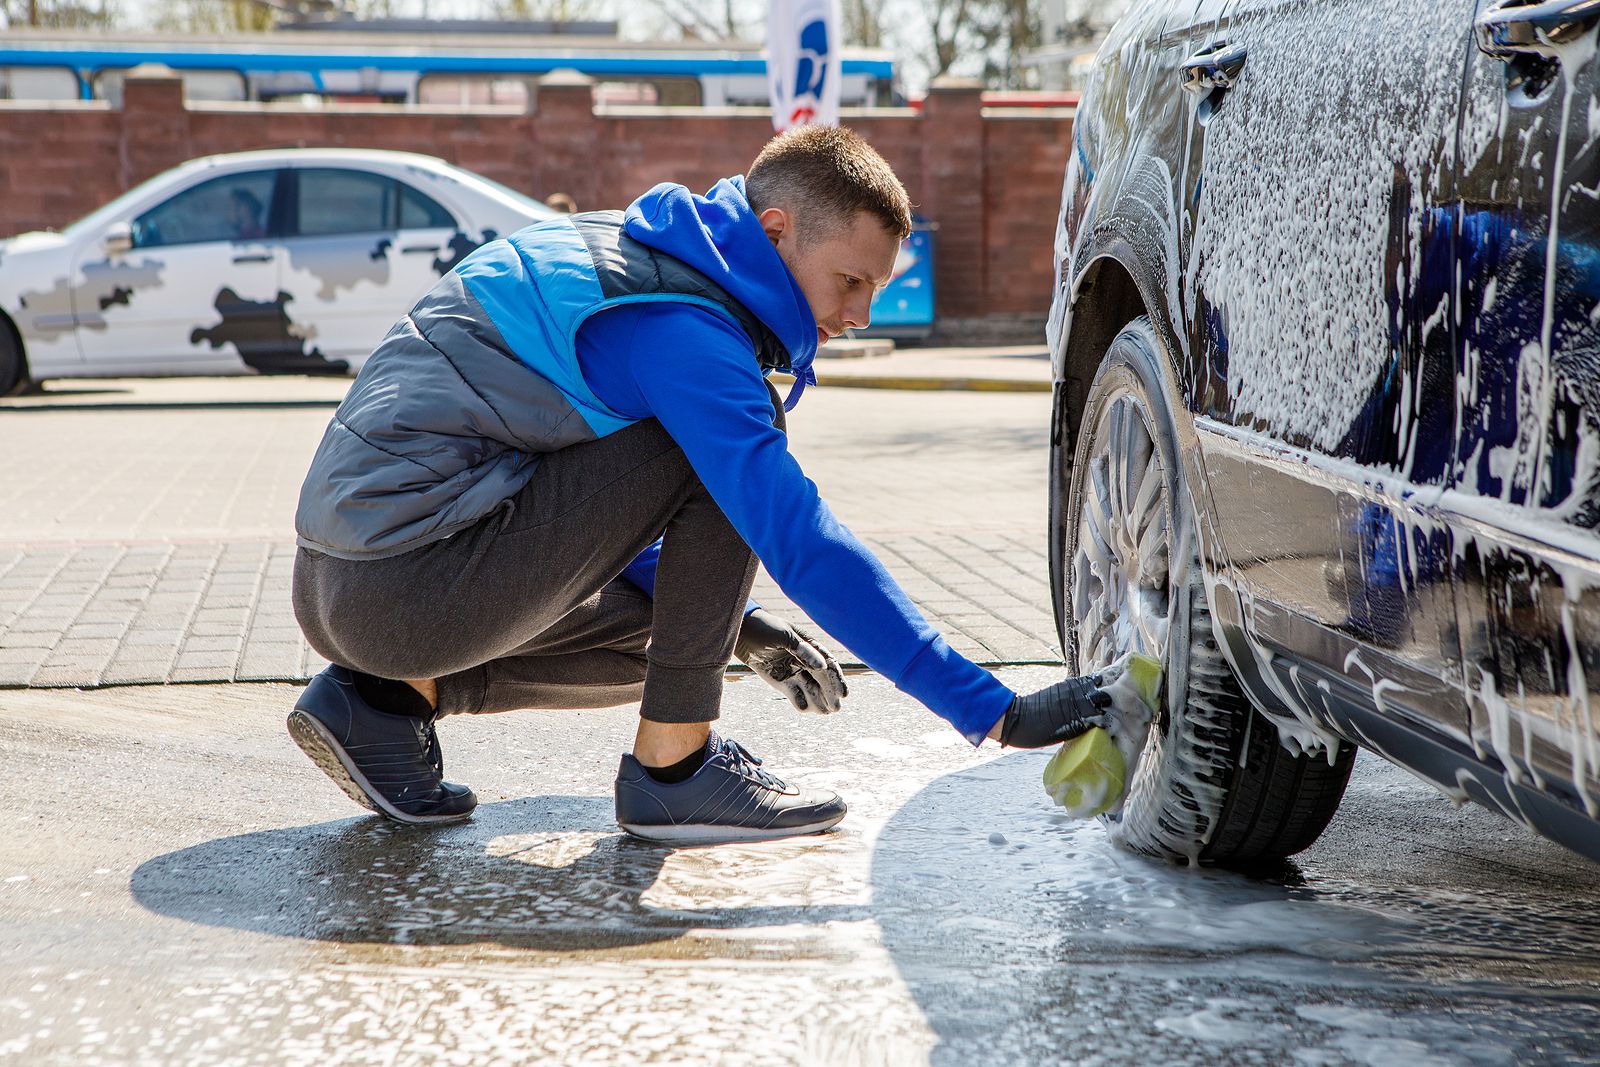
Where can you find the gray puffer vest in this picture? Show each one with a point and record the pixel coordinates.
(450, 414)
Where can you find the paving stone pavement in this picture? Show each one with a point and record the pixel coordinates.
(148, 538)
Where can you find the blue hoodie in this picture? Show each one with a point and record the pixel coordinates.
(696, 373)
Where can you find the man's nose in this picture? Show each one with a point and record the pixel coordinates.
(858, 314)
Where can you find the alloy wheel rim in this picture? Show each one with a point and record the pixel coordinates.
(1121, 566)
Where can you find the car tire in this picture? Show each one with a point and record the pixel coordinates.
(1212, 785)
(13, 365)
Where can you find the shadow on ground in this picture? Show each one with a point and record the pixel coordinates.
(550, 873)
(1021, 937)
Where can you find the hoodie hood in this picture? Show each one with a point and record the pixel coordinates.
(718, 235)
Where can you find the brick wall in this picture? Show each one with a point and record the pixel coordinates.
(989, 180)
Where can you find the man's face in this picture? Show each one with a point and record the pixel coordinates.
(839, 269)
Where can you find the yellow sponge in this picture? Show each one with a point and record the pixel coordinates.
(1089, 775)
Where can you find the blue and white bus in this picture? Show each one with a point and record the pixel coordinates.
(408, 68)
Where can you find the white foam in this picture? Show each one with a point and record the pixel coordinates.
(1220, 1022)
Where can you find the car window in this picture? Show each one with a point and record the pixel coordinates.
(235, 207)
(345, 201)
(419, 212)
(333, 201)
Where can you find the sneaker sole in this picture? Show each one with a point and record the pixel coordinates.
(330, 757)
(704, 834)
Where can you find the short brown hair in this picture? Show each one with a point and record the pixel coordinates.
(828, 174)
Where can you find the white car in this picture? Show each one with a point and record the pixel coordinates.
(290, 261)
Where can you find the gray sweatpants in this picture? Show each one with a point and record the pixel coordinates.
(525, 608)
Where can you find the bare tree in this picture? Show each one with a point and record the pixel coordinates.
(214, 16)
(999, 31)
(863, 22)
(547, 10)
(1081, 22)
(695, 22)
(58, 14)
(948, 22)
(1011, 30)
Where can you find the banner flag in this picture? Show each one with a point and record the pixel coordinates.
(803, 62)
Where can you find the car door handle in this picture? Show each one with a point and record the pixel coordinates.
(1521, 27)
(262, 257)
(1216, 66)
(411, 249)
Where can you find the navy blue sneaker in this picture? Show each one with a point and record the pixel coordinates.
(730, 798)
(389, 763)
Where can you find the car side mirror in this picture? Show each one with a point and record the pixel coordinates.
(118, 239)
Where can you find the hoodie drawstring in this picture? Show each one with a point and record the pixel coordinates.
(802, 378)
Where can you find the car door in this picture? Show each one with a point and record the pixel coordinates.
(203, 268)
(1322, 307)
(1208, 72)
(365, 245)
(1529, 442)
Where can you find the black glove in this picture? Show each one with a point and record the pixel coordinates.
(1055, 713)
(792, 662)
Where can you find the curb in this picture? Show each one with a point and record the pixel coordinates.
(927, 384)
(735, 672)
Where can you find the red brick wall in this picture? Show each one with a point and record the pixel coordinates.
(990, 182)
(1025, 161)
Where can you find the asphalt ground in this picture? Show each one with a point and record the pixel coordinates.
(179, 885)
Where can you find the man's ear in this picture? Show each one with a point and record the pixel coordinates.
(776, 222)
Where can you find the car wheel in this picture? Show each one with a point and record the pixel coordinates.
(13, 367)
(1211, 784)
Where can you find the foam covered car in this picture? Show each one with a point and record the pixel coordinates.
(290, 261)
(1326, 342)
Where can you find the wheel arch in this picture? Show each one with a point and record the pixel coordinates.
(1106, 298)
(1113, 289)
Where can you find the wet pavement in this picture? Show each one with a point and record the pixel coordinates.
(179, 885)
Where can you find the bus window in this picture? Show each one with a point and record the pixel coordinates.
(626, 93)
(472, 90)
(198, 85)
(741, 90)
(38, 83)
(678, 92)
(665, 91)
(283, 84)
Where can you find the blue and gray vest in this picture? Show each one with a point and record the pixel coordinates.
(445, 420)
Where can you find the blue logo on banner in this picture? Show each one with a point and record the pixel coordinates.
(812, 69)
